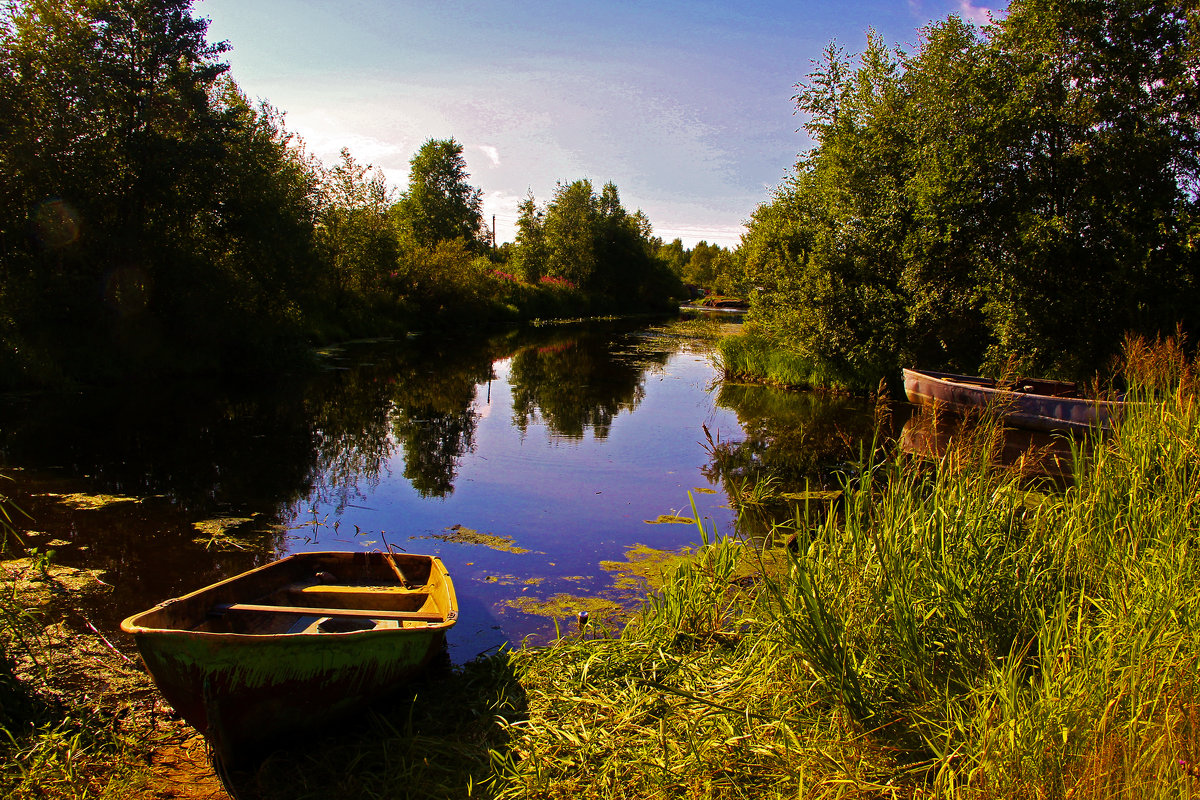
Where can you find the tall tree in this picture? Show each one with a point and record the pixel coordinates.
(111, 141)
(1026, 191)
(530, 254)
(440, 204)
(570, 233)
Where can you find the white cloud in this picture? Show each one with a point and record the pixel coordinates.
(725, 235)
(980, 15)
(492, 153)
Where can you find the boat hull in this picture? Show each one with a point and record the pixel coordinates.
(964, 394)
(248, 692)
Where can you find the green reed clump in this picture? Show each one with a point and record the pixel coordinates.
(954, 630)
(1010, 642)
(698, 697)
(750, 356)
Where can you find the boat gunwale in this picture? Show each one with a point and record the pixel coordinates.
(133, 626)
(1023, 408)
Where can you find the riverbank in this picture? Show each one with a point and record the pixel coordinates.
(954, 629)
(81, 716)
(750, 357)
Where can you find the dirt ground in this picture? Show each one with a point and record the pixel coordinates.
(79, 662)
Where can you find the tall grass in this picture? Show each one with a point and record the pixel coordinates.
(952, 632)
(750, 356)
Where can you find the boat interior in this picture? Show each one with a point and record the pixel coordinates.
(1039, 386)
(316, 594)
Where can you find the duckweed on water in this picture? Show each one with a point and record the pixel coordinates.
(670, 519)
(645, 569)
(460, 534)
(512, 580)
(90, 502)
(564, 606)
(219, 533)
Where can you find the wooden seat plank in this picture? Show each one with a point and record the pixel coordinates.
(421, 616)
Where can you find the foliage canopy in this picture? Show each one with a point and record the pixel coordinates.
(1025, 193)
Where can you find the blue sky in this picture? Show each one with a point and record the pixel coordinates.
(685, 106)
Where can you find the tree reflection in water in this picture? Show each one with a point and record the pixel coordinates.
(434, 420)
(794, 441)
(575, 382)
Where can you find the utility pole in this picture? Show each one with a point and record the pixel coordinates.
(493, 231)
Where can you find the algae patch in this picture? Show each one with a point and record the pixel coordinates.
(646, 569)
(460, 534)
(217, 533)
(52, 624)
(90, 502)
(568, 605)
(670, 519)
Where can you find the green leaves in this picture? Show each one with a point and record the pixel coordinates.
(440, 204)
(1021, 191)
(590, 240)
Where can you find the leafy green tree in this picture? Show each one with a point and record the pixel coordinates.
(593, 242)
(530, 254)
(111, 143)
(440, 204)
(570, 223)
(675, 257)
(1101, 160)
(1024, 191)
(358, 244)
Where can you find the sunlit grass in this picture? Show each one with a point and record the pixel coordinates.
(746, 356)
(947, 631)
(951, 633)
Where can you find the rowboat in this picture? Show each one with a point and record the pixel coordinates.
(294, 644)
(1041, 405)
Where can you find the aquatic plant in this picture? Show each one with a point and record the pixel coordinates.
(955, 631)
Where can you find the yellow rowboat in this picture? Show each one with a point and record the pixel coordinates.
(286, 647)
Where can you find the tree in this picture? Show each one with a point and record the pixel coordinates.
(1025, 191)
(357, 244)
(570, 223)
(530, 254)
(110, 143)
(440, 204)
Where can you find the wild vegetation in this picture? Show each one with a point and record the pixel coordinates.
(1024, 194)
(953, 628)
(953, 632)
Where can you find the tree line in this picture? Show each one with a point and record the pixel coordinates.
(1018, 195)
(154, 220)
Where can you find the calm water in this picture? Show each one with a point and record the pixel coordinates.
(525, 461)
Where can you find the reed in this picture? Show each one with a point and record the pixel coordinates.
(954, 631)
(747, 356)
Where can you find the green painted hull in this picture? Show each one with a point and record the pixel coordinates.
(248, 691)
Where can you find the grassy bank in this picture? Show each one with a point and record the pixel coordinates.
(953, 631)
(748, 356)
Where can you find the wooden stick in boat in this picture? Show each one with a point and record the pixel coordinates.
(420, 616)
(392, 561)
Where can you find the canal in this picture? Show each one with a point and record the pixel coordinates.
(548, 467)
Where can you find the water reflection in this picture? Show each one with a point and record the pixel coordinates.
(559, 441)
(1031, 453)
(575, 382)
(794, 438)
(432, 414)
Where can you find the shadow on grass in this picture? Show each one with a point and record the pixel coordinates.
(431, 739)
